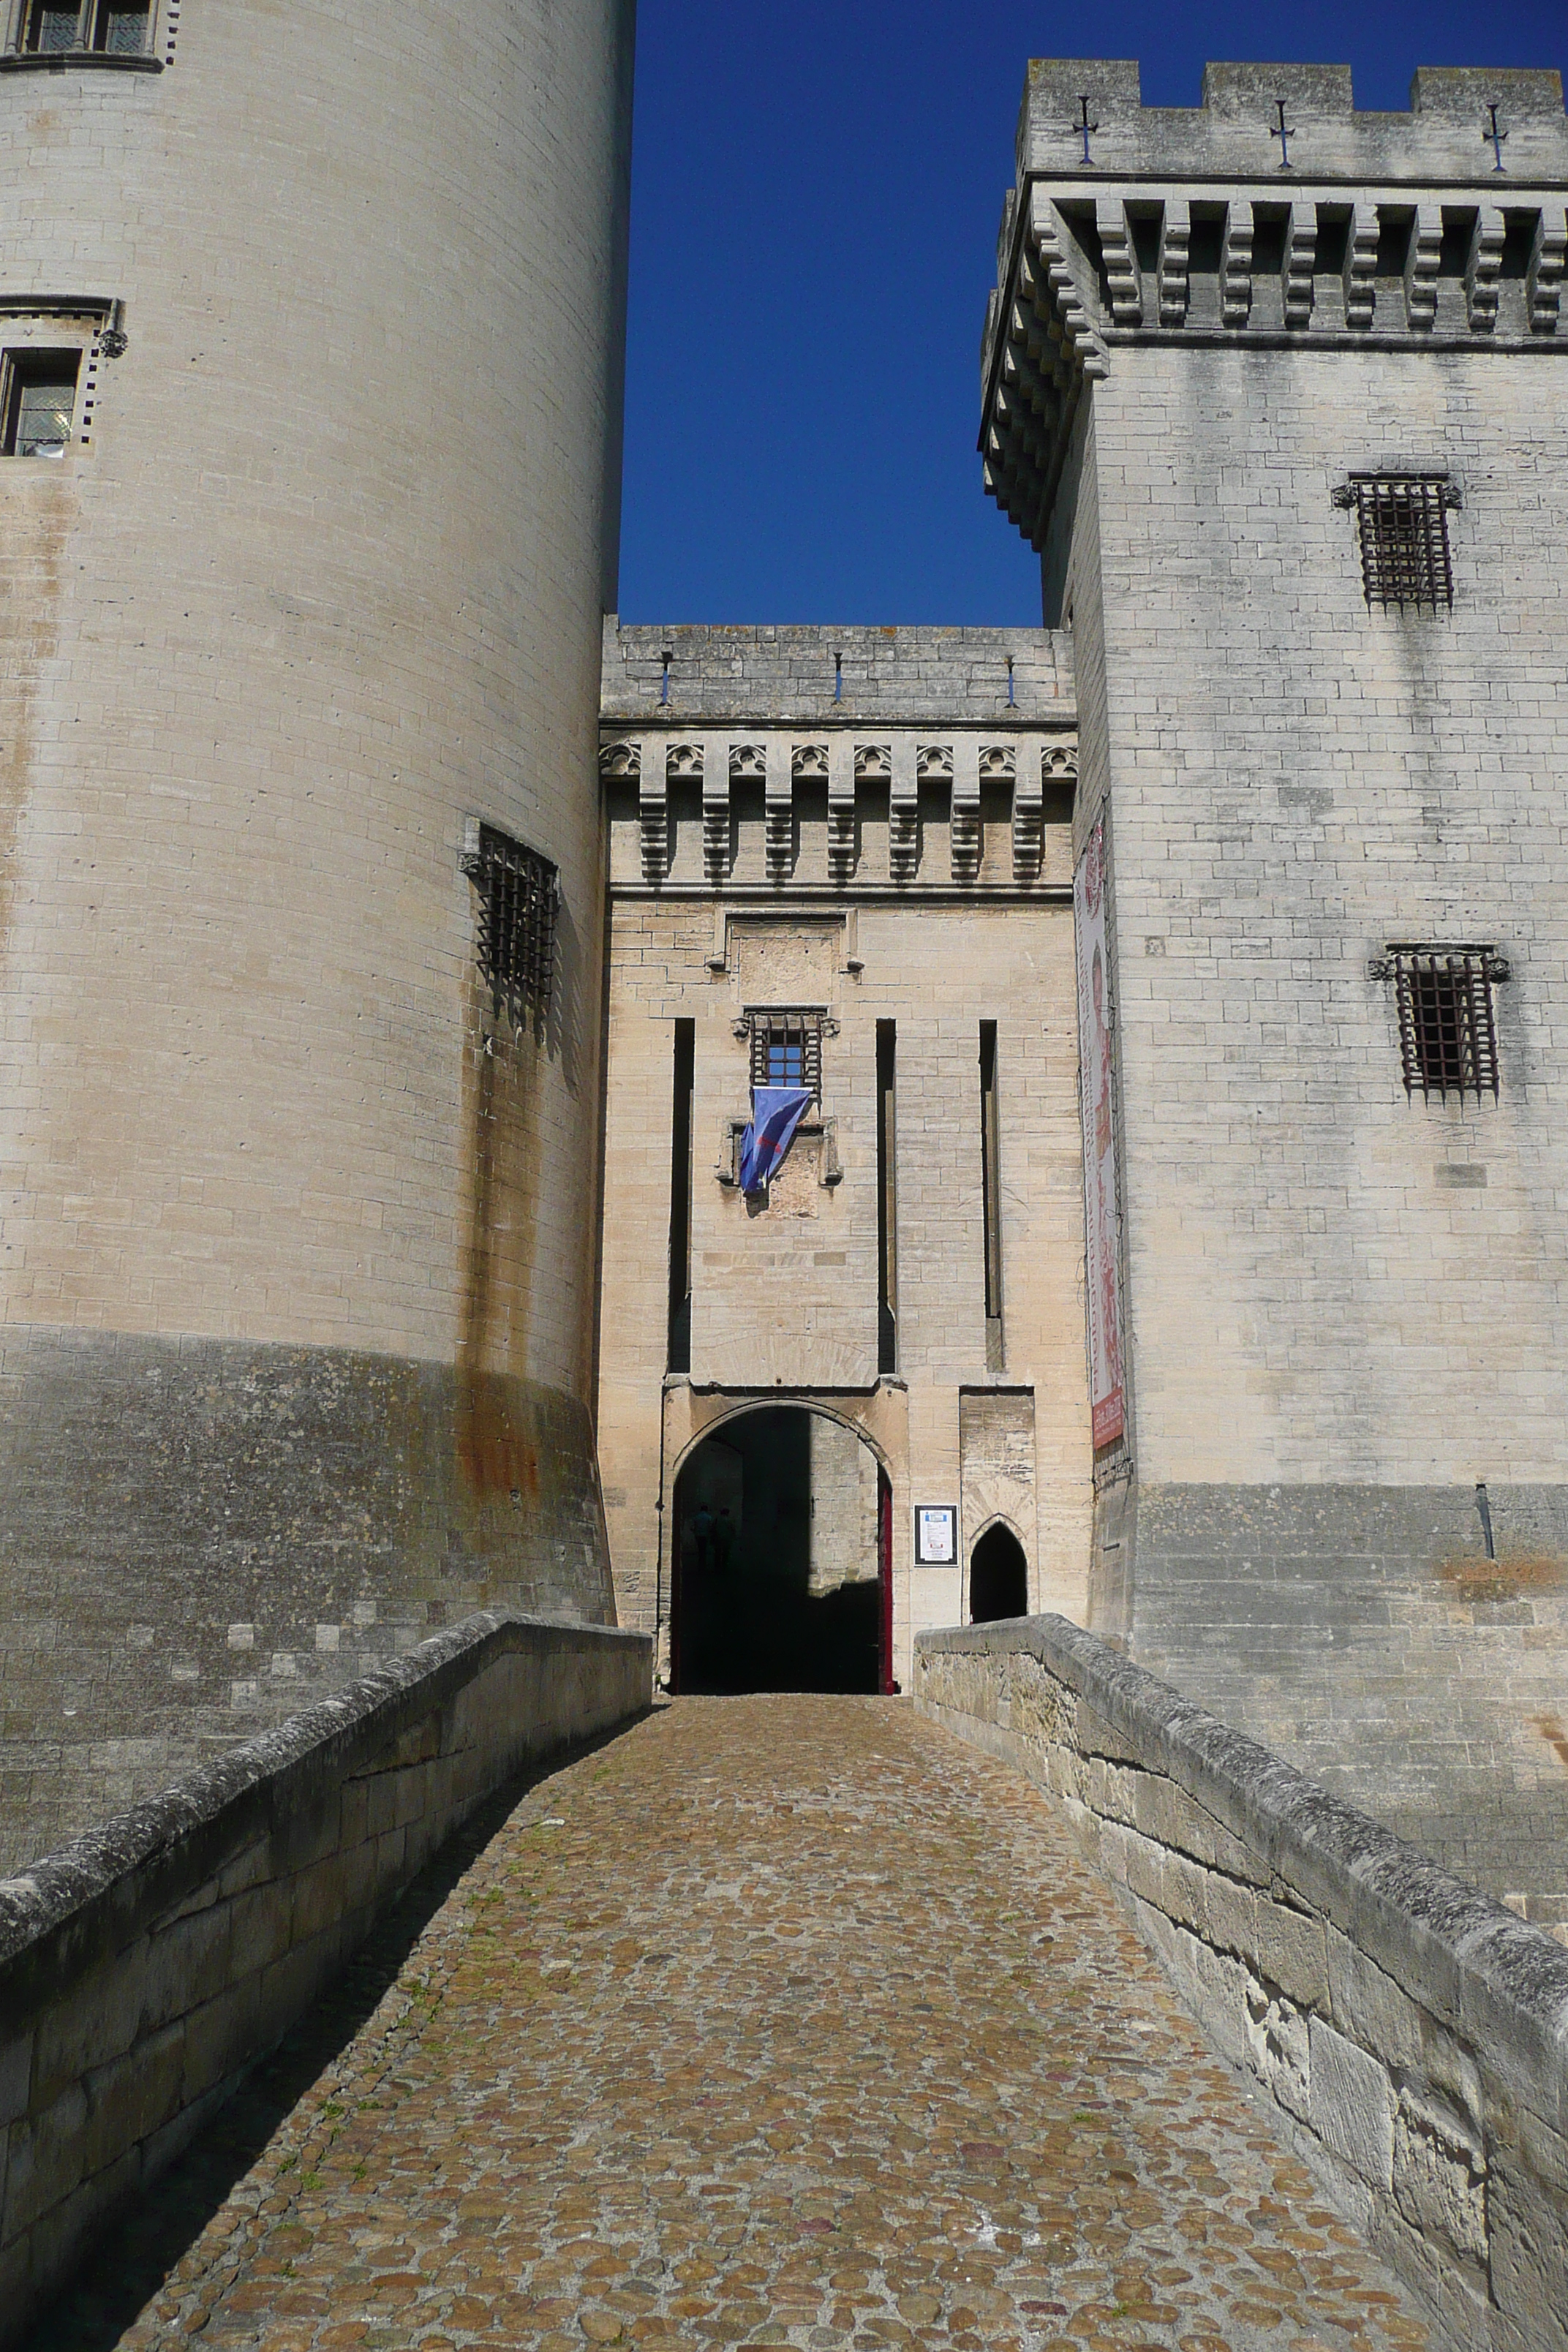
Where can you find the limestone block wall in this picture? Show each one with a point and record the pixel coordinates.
(1412, 2035)
(146, 1966)
(746, 874)
(1343, 1304)
(1295, 780)
(287, 1212)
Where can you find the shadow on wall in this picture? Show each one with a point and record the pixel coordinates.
(775, 1585)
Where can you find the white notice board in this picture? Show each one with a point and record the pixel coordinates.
(936, 1533)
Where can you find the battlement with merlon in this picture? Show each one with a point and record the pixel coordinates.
(1449, 132)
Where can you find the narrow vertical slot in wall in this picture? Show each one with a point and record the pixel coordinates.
(991, 1195)
(679, 1351)
(887, 1203)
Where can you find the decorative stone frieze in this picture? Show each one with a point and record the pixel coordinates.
(898, 786)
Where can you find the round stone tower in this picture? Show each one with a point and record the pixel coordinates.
(313, 321)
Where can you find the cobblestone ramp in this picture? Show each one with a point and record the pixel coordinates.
(775, 2020)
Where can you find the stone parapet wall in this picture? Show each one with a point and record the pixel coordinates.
(146, 1966)
(656, 673)
(1412, 2033)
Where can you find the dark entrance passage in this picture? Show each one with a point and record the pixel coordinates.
(777, 1582)
(998, 1577)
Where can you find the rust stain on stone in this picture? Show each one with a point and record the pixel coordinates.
(1551, 1729)
(496, 1454)
(39, 515)
(1515, 1579)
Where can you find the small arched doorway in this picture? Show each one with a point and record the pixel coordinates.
(998, 1577)
(782, 1567)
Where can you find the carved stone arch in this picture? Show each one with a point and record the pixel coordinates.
(996, 1572)
(763, 1401)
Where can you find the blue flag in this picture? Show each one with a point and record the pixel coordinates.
(776, 1112)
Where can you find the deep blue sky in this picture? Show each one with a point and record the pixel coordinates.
(815, 198)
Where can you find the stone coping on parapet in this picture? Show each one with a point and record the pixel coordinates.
(1470, 1960)
(1411, 2033)
(1446, 134)
(824, 676)
(62, 1905)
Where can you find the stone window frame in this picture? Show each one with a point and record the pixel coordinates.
(1401, 534)
(1447, 1021)
(518, 921)
(33, 328)
(768, 1026)
(90, 48)
(24, 364)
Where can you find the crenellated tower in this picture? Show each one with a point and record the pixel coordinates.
(1278, 389)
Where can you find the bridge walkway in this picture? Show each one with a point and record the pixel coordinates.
(775, 2020)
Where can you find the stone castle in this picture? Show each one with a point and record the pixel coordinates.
(395, 944)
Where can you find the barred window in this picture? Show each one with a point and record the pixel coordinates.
(520, 897)
(786, 1049)
(1448, 1035)
(1403, 521)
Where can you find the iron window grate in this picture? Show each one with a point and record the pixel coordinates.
(786, 1049)
(1448, 1033)
(519, 898)
(1403, 521)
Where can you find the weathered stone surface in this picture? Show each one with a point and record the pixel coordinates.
(147, 1964)
(1416, 2030)
(735, 2033)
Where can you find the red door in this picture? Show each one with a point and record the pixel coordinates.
(885, 1580)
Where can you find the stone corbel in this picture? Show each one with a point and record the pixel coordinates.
(1300, 256)
(1360, 265)
(653, 810)
(841, 857)
(1543, 277)
(1481, 271)
(904, 815)
(1120, 262)
(1175, 241)
(778, 807)
(1051, 243)
(717, 783)
(1421, 266)
(1028, 819)
(965, 838)
(1236, 264)
(808, 764)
